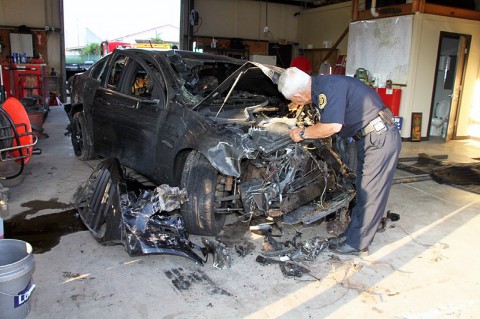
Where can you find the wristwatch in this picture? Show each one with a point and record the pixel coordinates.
(302, 134)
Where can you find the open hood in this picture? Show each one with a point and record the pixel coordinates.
(252, 77)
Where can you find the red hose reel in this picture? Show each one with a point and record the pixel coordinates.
(16, 136)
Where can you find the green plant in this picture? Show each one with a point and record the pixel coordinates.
(91, 49)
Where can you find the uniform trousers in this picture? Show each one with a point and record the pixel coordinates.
(377, 156)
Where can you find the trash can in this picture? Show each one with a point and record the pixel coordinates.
(16, 285)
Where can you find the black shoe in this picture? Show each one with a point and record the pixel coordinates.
(346, 249)
(335, 241)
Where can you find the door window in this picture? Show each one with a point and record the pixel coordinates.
(99, 69)
(145, 81)
(142, 84)
(116, 71)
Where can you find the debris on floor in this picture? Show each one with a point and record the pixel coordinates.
(3, 197)
(146, 224)
(148, 231)
(465, 176)
(221, 255)
(389, 216)
(290, 255)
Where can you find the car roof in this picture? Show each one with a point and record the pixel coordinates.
(184, 54)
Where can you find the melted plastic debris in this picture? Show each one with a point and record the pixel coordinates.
(310, 249)
(290, 255)
(117, 210)
(221, 255)
(288, 267)
(147, 231)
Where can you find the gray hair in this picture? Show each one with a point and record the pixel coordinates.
(293, 81)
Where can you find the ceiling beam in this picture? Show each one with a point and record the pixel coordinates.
(298, 3)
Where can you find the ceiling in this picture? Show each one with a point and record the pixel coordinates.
(305, 3)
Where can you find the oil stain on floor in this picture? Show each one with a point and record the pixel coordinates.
(43, 232)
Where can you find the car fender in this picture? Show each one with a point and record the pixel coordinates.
(226, 157)
(224, 149)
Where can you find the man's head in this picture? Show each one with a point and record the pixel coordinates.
(295, 85)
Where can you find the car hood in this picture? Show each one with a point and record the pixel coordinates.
(247, 77)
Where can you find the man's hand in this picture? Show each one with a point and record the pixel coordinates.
(319, 130)
(295, 134)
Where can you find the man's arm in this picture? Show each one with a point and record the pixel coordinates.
(319, 130)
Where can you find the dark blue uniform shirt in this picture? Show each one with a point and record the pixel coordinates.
(345, 100)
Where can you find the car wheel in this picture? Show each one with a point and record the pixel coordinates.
(203, 185)
(81, 141)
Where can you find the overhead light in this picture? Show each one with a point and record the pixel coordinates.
(265, 28)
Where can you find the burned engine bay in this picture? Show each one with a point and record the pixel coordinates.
(303, 182)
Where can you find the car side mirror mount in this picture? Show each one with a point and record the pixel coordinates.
(149, 101)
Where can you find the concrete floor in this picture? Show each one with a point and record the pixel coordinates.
(424, 266)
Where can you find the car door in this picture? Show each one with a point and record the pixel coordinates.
(126, 109)
(113, 113)
(148, 93)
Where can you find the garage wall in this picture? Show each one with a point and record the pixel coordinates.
(246, 19)
(17, 12)
(426, 32)
(325, 24)
(36, 15)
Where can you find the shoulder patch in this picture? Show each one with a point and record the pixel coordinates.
(322, 101)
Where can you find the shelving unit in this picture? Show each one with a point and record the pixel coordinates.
(232, 47)
(234, 53)
(24, 80)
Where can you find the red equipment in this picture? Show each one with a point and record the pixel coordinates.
(391, 98)
(340, 65)
(24, 80)
(16, 136)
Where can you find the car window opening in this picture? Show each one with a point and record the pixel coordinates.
(142, 85)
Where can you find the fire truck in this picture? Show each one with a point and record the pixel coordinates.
(109, 46)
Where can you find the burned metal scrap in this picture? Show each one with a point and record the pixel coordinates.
(290, 255)
(288, 267)
(138, 218)
(221, 256)
(147, 231)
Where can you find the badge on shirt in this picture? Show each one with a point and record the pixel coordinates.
(322, 101)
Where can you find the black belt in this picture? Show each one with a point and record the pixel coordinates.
(378, 124)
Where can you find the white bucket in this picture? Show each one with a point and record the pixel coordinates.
(16, 286)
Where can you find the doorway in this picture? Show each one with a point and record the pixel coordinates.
(449, 76)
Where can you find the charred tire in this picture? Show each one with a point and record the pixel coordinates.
(201, 181)
(81, 140)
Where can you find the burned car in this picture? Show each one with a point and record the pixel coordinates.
(215, 126)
